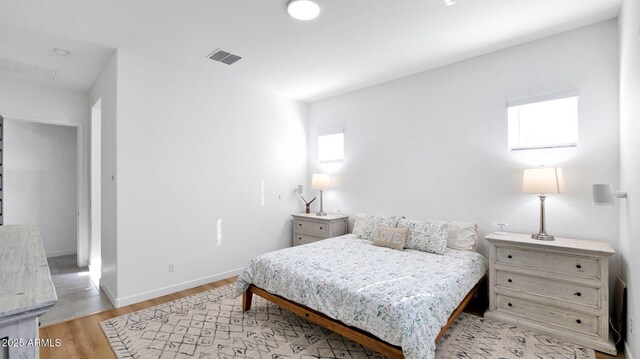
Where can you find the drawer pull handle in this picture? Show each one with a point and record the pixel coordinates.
(300, 224)
(320, 227)
(300, 238)
(509, 256)
(579, 321)
(511, 305)
(509, 280)
(578, 266)
(578, 294)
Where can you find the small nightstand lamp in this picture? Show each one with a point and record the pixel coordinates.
(543, 181)
(320, 181)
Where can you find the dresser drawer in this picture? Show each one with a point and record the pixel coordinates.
(575, 293)
(311, 228)
(300, 239)
(549, 262)
(565, 318)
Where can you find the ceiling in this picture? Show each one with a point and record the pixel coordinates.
(353, 44)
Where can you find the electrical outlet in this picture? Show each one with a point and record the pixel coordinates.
(172, 267)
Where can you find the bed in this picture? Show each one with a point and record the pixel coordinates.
(394, 302)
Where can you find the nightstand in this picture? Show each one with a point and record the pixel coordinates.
(559, 288)
(309, 228)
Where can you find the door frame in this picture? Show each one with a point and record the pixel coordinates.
(82, 242)
(95, 203)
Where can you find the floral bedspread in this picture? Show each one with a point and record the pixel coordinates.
(402, 297)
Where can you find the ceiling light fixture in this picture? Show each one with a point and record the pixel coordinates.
(449, 2)
(61, 52)
(303, 9)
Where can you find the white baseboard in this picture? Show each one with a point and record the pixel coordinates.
(110, 296)
(121, 302)
(60, 253)
(627, 351)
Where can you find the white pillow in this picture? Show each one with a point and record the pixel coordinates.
(463, 235)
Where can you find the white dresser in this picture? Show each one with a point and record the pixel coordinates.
(560, 287)
(26, 291)
(309, 228)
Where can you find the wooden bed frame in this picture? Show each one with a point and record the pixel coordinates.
(357, 335)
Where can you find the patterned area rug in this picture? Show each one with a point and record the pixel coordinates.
(474, 337)
(211, 324)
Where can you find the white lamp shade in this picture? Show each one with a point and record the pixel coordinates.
(320, 181)
(602, 194)
(543, 180)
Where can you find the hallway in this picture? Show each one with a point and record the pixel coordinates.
(77, 295)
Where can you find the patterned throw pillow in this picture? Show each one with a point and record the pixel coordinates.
(394, 238)
(427, 236)
(366, 228)
(360, 220)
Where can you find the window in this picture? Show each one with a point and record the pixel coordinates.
(331, 147)
(544, 122)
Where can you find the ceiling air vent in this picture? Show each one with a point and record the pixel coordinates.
(224, 57)
(22, 68)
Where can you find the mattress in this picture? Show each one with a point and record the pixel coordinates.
(402, 297)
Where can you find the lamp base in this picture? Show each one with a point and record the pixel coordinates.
(321, 211)
(542, 237)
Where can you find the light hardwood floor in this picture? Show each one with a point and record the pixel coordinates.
(83, 338)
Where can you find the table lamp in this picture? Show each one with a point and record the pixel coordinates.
(543, 181)
(320, 181)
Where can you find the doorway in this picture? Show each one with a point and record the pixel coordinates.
(77, 293)
(40, 182)
(82, 188)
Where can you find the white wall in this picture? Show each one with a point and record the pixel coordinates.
(192, 150)
(630, 164)
(434, 145)
(39, 102)
(40, 184)
(54, 106)
(105, 90)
